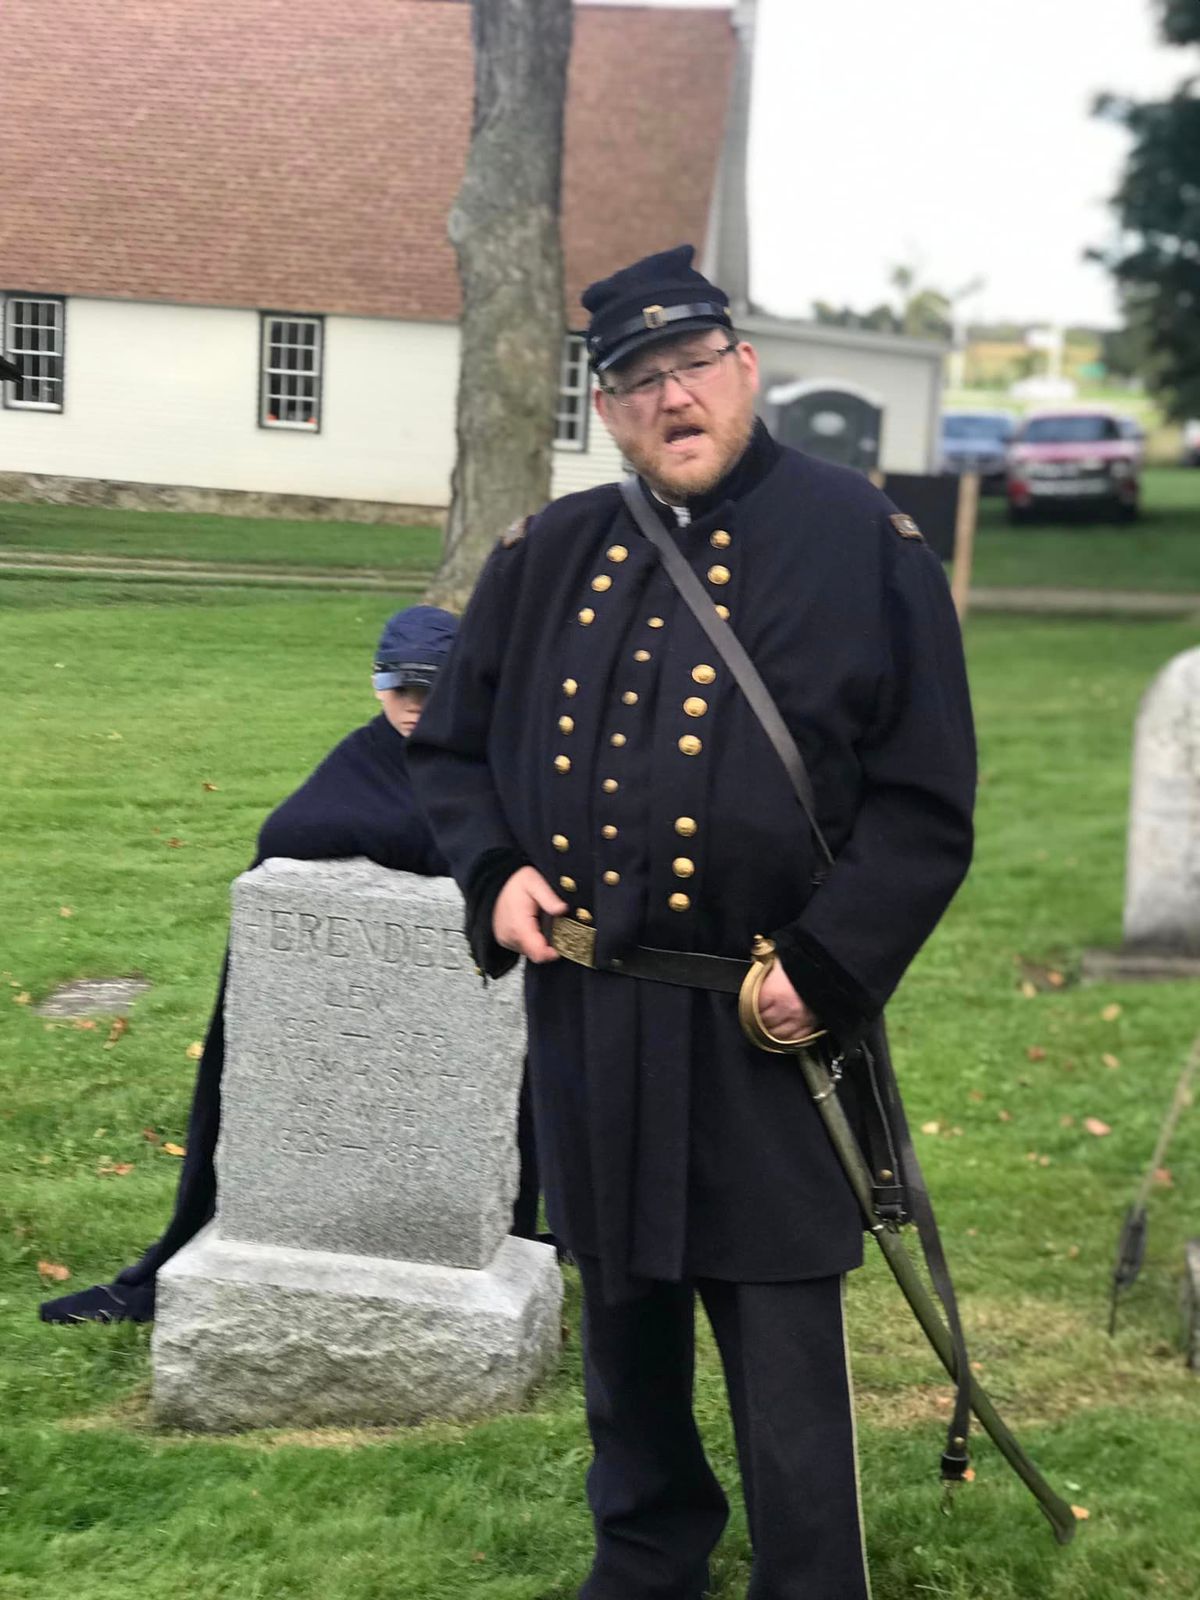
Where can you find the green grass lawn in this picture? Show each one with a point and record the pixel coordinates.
(145, 737)
(239, 541)
(1160, 551)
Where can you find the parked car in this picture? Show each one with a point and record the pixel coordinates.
(1073, 458)
(976, 441)
(1132, 429)
(1191, 443)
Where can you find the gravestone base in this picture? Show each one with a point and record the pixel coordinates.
(259, 1336)
(1138, 966)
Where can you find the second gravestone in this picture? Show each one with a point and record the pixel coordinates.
(359, 1268)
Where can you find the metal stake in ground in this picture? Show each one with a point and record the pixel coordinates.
(1131, 1246)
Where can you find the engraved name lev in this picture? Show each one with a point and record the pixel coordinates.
(401, 944)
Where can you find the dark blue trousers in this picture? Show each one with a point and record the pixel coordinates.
(657, 1507)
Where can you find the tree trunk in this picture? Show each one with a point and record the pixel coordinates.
(504, 228)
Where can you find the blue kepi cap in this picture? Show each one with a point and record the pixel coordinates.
(413, 648)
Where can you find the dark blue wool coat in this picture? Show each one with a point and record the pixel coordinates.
(583, 724)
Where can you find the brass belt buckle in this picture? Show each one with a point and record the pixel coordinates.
(753, 1026)
(574, 940)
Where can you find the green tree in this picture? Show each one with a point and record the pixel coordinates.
(1157, 262)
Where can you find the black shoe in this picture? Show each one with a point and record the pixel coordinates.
(102, 1303)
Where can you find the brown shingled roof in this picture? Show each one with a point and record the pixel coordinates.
(260, 153)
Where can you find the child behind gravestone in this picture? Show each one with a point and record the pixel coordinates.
(357, 802)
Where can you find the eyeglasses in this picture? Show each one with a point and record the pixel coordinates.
(694, 374)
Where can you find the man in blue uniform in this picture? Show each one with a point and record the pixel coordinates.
(610, 804)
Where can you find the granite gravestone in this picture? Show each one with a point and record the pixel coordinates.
(359, 1268)
(1162, 891)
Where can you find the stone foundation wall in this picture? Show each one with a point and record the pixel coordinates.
(44, 489)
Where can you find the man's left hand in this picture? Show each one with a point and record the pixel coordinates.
(783, 1012)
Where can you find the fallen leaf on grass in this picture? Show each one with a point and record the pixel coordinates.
(120, 1026)
(976, 1095)
(174, 1150)
(1004, 1116)
(194, 1051)
(1163, 1178)
(1029, 990)
(1096, 1127)
(1035, 1052)
(1066, 1120)
(21, 999)
(969, 1475)
(931, 1127)
(65, 911)
(1110, 1061)
(151, 1135)
(1080, 1513)
(209, 788)
(1110, 1013)
(84, 1024)
(175, 844)
(1056, 980)
(53, 1272)
(115, 1169)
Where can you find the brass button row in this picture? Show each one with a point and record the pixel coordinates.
(655, 622)
(587, 616)
(689, 745)
(616, 552)
(720, 540)
(682, 867)
(641, 655)
(679, 902)
(629, 698)
(566, 724)
(693, 707)
(570, 688)
(719, 575)
(609, 830)
(703, 673)
(685, 827)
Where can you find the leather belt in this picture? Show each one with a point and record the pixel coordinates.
(690, 970)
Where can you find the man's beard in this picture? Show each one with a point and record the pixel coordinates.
(691, 483)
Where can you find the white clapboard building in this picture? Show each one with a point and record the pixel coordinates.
(224, 268)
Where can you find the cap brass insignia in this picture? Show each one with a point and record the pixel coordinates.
(514, 534)
(906, 527)
(654, 316)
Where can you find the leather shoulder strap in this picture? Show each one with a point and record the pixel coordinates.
(729, 647)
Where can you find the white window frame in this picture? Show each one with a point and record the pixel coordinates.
(573, 411)
(16, 350)
(269, 394)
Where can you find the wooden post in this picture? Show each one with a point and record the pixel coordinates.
(965, 518)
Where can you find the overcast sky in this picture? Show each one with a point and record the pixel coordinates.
(923, 132)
